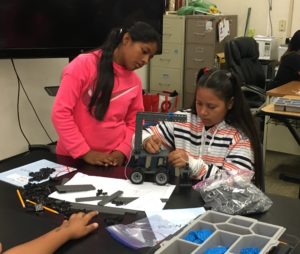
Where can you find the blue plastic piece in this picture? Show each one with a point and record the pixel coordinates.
(198, 236)
(216, 250)
(203, 234)
(191, 236)
(250, 251)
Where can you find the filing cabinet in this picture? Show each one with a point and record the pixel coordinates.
(201, 46)
(189, 43)
(166, 70)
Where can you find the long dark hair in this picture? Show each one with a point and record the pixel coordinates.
(294, 44)
(139, 32)
(227, 86)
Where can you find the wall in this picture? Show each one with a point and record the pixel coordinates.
(37, 73)
(295, 18)
(259, 18)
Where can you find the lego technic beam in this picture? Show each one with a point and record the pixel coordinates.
(152, 116)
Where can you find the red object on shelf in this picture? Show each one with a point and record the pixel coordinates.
(178, 4)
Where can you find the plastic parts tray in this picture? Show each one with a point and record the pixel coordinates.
(232, 231)
(289, 105)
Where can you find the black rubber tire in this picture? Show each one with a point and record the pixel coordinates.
(161, 177)
(137, 176)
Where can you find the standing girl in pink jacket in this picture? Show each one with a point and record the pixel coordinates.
(95, 107)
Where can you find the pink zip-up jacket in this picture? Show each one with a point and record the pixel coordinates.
(78, 131)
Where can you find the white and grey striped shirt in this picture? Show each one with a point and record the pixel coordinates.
(221, 147)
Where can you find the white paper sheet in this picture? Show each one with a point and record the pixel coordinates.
(223, 29)
(20, 176)
(145, 191)
(167, 222)
(146, 203)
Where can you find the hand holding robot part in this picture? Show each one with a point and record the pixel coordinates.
(178, 158)
(152, 144)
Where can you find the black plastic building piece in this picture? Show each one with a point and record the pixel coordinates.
(108, 199)
(42, 174)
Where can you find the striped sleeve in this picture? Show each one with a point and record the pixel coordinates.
(240, 157)
(200, 170)
(165, 131)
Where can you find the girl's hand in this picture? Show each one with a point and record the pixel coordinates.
(178, 158)
(152, 144)
(100, 159)
(77, 225)
(119, 157)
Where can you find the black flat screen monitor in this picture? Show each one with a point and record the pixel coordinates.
(65, 28)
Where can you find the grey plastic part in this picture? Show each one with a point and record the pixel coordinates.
(152, 116)
(232, 231)
(103, 209)
(108, 199)
(84, 199)
(74, 188)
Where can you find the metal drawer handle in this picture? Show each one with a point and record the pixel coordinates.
(200, 23)
(199, 50)
(163, 84)
(198, 60)
(199, 34)
(165, 59)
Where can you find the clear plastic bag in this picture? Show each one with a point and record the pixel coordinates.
(150, 231)
(136, 235)
(233, 194)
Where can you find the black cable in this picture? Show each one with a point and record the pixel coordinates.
(270, 19)
(20, 84)
(18, 114)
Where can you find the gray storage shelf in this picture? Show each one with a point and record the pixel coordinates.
(232, 231)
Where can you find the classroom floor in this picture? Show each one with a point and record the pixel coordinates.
(276, 164)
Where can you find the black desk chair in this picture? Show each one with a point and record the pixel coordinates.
(241, 56)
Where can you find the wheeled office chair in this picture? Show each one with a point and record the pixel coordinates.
(241, 56)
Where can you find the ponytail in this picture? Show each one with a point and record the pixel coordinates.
(105, 81)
